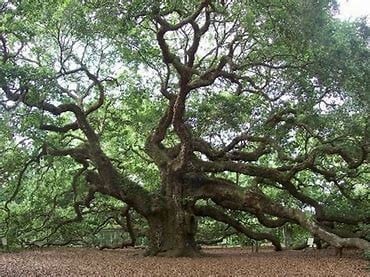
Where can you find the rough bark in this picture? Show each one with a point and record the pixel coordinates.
(172, 227)
(172, 233)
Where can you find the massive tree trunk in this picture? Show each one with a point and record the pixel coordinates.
(172, 227)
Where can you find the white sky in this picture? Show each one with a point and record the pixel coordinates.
(350, 9)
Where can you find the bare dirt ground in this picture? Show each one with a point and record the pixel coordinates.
(217, 262)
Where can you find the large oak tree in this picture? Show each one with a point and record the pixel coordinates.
(188, 109)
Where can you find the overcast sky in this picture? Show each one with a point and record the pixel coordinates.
(350, 9)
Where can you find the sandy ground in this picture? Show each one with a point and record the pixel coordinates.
(217, 262)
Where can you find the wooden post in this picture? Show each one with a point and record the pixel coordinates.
(310, 242)
(4, 243)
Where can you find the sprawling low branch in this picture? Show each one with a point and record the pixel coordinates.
(219, 215)
(228, 195)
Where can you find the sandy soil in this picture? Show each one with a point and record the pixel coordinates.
(217, 262)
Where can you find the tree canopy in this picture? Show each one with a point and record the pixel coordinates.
(157, 116)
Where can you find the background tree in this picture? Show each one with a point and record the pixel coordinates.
(181, 110)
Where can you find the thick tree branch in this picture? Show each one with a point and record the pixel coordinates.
(228, 195)
(219, 215)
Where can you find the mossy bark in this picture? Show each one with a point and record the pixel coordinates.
(172, 229)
